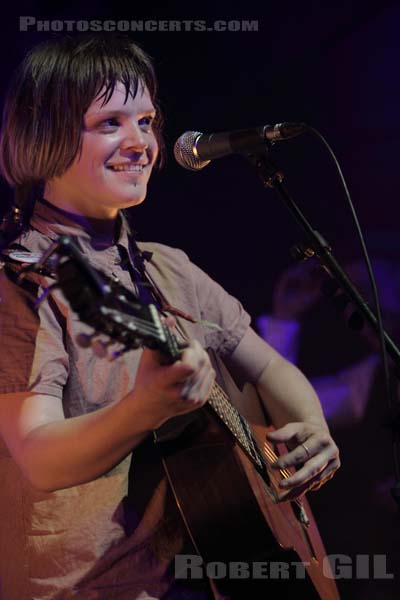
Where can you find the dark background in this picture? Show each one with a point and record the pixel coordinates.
(331, 64)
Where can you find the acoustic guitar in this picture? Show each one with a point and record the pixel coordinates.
(217, 458)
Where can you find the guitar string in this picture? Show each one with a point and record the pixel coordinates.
(285, 473)
(248, 442)
(237, 425)
(236, 428)
(244, 436)
(220, 402)
(216, 388)
(268, 450)
(143, 325)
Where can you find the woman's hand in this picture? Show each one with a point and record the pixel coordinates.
(312, 452)
(167, 390)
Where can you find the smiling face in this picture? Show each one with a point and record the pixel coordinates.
(118, 152)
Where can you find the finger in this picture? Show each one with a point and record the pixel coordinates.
(177, 374)
(319, 444)
(295, 457)
(170, 322)
(312, 484)
(325, 475)
(209, 384)
(206, 386)
(310, 471)
(197, 388)
(200, 364)
(290, 434)
(313, 467)
(195, 355)
(199, 396)
(287, 433)
(154, 358)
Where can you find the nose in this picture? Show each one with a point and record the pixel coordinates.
(134, 140)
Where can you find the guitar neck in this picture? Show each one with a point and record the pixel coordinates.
(237, 425)
(113, 311)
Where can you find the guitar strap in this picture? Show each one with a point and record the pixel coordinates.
(14, 257)
(16, 261)
(149, 292)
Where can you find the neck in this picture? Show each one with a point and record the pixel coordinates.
(72, 201)
(105, 228)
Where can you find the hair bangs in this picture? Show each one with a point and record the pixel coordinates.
(50, 94)
(103, 62)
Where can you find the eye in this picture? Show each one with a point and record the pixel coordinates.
(110, 123)
(146, 122)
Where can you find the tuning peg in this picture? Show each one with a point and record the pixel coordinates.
(118, 353)
(100, 347)
(133, 345)
(92, 340)
(85, 340)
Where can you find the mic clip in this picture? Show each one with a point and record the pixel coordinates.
(268, 172)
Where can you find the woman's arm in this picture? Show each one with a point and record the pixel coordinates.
(54, 452)
(294, 409)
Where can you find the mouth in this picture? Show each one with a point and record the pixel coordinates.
(128, 167)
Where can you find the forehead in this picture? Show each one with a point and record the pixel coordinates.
(119, 100)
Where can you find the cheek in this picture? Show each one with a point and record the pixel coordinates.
(85, 171)
(96, 151)
(153, 147)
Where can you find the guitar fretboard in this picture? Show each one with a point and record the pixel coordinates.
(237, 425)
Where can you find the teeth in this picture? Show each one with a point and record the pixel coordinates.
(137, 168)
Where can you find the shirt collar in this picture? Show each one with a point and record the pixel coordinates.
(52, 222)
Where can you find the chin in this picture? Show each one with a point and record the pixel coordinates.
(135, 201)
(130, 200)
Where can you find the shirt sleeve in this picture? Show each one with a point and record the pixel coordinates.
(219, 307)
(33, 356)
(187, 287)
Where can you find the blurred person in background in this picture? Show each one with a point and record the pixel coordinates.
(365, 520)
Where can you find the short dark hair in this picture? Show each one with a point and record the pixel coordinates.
(50, 93)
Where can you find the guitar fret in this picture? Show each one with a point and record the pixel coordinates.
(233, 420)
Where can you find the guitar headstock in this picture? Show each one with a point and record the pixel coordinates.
(112, 310)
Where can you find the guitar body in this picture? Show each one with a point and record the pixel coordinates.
(230, 510)
(216, 459)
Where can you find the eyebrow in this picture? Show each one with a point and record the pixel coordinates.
(118, 112)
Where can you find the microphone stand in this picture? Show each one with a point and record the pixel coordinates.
(317, 246)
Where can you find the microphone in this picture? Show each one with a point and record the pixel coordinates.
(194, 150)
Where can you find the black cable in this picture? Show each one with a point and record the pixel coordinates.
(388, 388)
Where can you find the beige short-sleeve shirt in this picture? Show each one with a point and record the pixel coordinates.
(85, 542)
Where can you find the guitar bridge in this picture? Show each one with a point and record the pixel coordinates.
(302, 516)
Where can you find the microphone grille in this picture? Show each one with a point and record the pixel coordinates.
(185, 151)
